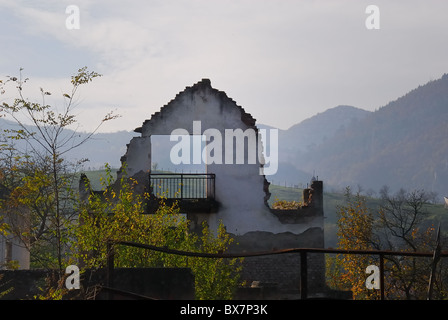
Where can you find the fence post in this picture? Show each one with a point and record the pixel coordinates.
(382, 275)
(303, 275)
(435, 260)
(110, 264)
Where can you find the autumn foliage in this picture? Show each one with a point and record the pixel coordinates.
(397, 225)
(119, 215)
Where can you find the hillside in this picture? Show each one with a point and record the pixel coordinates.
(403, 144)
(303, 137)
(311, 132)
(101, 148)
(104, 148)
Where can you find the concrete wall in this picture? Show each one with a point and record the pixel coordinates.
(240, 189)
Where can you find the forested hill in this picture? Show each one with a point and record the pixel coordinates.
(403, 144)
(302, 138)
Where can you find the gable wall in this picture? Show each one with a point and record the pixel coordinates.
(240, 189)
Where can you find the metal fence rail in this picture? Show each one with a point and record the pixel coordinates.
(183, 185)
(303, 258)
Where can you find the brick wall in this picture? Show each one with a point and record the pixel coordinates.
(283, 270)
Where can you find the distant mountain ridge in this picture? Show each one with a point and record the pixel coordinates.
(100, 149)
(403, 144)
(303, 137)
(311, 132)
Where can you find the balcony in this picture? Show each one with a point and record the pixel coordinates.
(193, 192)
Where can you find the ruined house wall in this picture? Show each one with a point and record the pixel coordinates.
(284, 270)
(240, 190)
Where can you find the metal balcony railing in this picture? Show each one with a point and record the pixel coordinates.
(183, 186)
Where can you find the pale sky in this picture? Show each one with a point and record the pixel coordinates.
(283, 61)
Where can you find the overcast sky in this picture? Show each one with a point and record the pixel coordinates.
(283, 61)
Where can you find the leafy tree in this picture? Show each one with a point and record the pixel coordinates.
(41, 176)
(397, 226)
(118, 214)
(3, 232)
(355, 232)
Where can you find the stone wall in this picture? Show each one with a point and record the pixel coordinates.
(282, 271)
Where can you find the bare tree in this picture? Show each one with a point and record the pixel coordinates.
(401, 217)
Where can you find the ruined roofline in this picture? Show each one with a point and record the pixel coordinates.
(246, 118)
